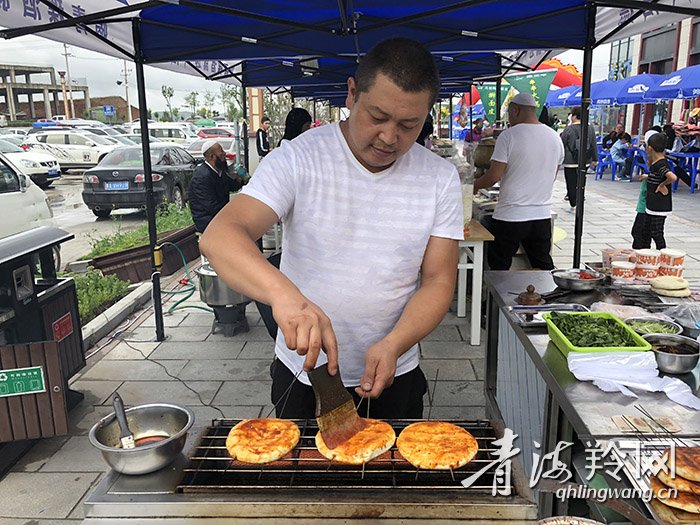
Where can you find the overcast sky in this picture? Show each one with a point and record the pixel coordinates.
(102, 71)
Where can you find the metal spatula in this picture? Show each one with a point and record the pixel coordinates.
(335, 409)
(127, 438)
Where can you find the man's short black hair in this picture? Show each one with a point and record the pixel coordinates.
(626, 137)
(656, 128)
(406, 62)
(657, 142)
(265, 119)
(478, 121)
(576, 112)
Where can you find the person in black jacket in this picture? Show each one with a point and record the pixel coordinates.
(211, 185)
(571, 137)
(262, 141)
(659, 203)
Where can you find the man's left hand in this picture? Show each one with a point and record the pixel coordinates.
(663, 190)
(380, 367)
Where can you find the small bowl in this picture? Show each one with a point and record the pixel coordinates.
(677, 329)
(674, 363)
(157, 420)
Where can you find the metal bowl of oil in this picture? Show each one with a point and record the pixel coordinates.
(159, 429)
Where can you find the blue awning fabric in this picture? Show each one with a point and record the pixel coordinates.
(225, 29)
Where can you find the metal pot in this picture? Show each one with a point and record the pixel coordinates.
(574, 284)
(214, 291)
(674, 363)
(155, 420)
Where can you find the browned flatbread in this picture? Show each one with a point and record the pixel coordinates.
(688, 462)
(376, 438)
(683, 500)
(678, 482)
(436, 445)
(670, 516)
(262, 440)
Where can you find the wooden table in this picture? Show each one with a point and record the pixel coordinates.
(471, 257)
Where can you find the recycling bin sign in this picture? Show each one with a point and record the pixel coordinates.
(21, 381)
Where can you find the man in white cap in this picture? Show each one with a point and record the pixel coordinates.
(525, 160)
(211, 185)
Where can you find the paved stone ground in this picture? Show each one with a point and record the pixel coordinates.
(203, 371)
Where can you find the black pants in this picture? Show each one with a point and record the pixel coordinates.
(571, 177)
(535, 236)
(647, 228)
(402, 400)
(625, 169)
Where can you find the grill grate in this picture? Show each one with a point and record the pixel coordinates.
(211, 469)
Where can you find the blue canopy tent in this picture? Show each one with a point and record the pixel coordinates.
(602, 94)
(684, 83)
(190, 30)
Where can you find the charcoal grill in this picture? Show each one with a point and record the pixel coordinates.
(305, 487)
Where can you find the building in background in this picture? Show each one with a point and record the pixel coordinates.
(31, 92)
(96, 109)
(661, 52)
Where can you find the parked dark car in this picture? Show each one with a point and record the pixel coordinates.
(118, 180)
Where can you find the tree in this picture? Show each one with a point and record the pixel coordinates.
(192, 99)
(209, 99)
(231, 97)
(168, 94)
(175, 112)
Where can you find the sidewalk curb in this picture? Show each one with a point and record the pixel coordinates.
(108, 320)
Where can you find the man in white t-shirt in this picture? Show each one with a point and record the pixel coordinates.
(525, 160)
(370, 248)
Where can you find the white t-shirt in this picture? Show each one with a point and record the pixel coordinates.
(354, 240)
(533, 153)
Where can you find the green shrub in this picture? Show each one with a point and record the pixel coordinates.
(96, 293)
(167, 218)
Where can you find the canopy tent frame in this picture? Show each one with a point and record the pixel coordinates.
(347, 25)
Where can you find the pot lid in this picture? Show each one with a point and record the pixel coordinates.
(207, 270)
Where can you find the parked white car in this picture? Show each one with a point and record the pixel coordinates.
(24, 206)
(40, 166)
(83, 150)
(169, 132)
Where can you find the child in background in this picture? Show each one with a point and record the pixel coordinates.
(658, 197)
(638, 239)
(618, 152)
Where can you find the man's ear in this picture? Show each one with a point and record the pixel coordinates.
(352, 93)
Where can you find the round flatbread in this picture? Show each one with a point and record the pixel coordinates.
(376, 438)
(669, 282)
(672, 293)
(436, 445)
(678, 482)
(683, 500)
(262, 440)
(688, 463)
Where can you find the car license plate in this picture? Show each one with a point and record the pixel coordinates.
(119, 185)
(53, 172)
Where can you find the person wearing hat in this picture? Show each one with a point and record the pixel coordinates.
(262, 141)
(525, 161)
(211, 185)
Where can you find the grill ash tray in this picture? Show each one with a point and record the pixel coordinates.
(211, 469)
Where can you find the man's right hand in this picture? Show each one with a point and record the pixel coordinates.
(306, 329)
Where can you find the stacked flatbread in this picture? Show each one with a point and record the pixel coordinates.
(686, 482)
(670, 286)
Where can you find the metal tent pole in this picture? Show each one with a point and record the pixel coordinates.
(498, 102)
(156, 254)
(244, 133)
(471, 121)
(583, 145)
(450, 119)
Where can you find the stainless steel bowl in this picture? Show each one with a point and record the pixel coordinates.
(214, 291)
(576, 284)
(145, 421)
(674, 363)
(677, 329)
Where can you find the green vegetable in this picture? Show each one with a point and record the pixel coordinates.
(651, 327)
(592, 332)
